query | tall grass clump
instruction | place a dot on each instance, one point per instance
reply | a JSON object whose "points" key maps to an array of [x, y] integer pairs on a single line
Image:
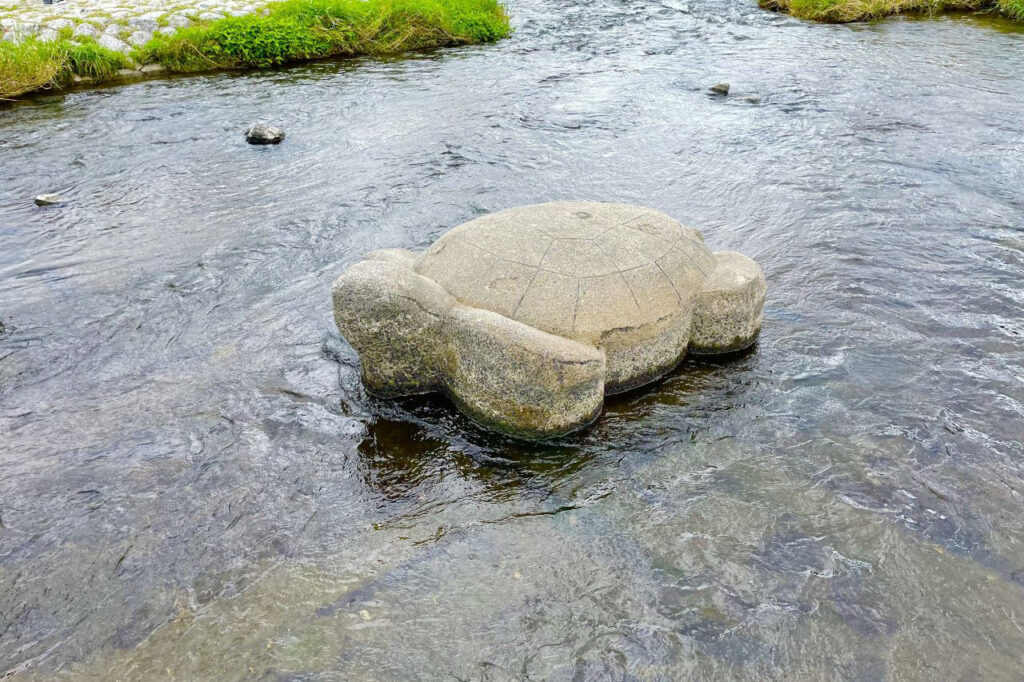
{"points": [[28, 66], [300, 30], [843, 11], [36, 65], [90, 60]]}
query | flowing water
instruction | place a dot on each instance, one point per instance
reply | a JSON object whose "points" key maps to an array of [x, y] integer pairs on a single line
{"points": [[194, 486]]}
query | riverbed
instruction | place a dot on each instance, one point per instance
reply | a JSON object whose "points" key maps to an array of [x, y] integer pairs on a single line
{"points": [[194, 485]]}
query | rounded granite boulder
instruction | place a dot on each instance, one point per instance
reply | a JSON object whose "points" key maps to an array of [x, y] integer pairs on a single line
{"points": [[528, 317]]}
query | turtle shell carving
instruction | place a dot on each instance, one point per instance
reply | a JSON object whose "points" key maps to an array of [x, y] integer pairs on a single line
{"points": [[528, 317], [578, 270]]}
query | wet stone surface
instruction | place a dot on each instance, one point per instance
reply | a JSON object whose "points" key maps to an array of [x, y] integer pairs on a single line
{"points": [[194, 484]]}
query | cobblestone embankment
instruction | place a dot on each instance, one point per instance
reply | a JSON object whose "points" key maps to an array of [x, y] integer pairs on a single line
{"points": [[117, 25]]}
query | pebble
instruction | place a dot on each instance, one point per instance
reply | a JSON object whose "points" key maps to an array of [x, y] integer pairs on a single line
{"points": [[720, 88]]}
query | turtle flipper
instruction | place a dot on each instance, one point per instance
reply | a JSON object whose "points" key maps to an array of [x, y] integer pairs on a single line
{"points": [[730, 307], [518, 379], [393, 318]]}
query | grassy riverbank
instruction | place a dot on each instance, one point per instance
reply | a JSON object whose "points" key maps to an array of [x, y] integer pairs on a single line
{"points": [[288, 31], [843, 11]]}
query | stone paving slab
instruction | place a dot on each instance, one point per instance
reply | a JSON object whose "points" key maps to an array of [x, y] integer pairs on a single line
{"points": [[115, 24]]}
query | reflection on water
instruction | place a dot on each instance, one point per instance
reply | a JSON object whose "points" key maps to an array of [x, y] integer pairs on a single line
{"points": [[195, 485]]}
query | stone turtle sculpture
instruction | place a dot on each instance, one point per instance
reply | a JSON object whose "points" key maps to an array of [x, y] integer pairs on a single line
{"points": [[528, 317]]}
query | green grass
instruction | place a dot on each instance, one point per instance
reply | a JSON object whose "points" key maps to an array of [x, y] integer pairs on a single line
{"points": [[299, 30], [1012, 8], [843, 11], [292, 31]]}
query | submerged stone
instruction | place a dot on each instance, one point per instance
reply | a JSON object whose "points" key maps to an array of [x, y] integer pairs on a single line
{"points": [[528, 317]]}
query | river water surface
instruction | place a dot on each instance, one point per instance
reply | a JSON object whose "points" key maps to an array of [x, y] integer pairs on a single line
{"points": [[194, 486]]}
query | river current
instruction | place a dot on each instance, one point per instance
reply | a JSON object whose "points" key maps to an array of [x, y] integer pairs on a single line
{"points": [[194, 485]]}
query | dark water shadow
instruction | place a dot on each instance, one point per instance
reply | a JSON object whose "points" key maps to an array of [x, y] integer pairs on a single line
{"points": [[411, 440]]}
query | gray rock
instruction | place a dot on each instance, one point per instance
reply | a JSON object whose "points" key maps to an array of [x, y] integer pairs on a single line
{"points": [[720, 88], [140, 38], [49, 199], [178, 21], [210, 16], [58, 24], [152, 68], [261, 133], [753, 99], [87, 30], [143, 24], [113, 43], [21, 32], [527, 318]]}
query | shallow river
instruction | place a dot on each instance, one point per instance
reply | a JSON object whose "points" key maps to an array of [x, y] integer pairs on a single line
{"points": [[193, 484]]}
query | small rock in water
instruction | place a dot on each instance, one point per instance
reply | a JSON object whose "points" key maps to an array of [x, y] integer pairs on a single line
{"points": [[261, 133], [753, 99], [720, 88], [49, 199]]}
